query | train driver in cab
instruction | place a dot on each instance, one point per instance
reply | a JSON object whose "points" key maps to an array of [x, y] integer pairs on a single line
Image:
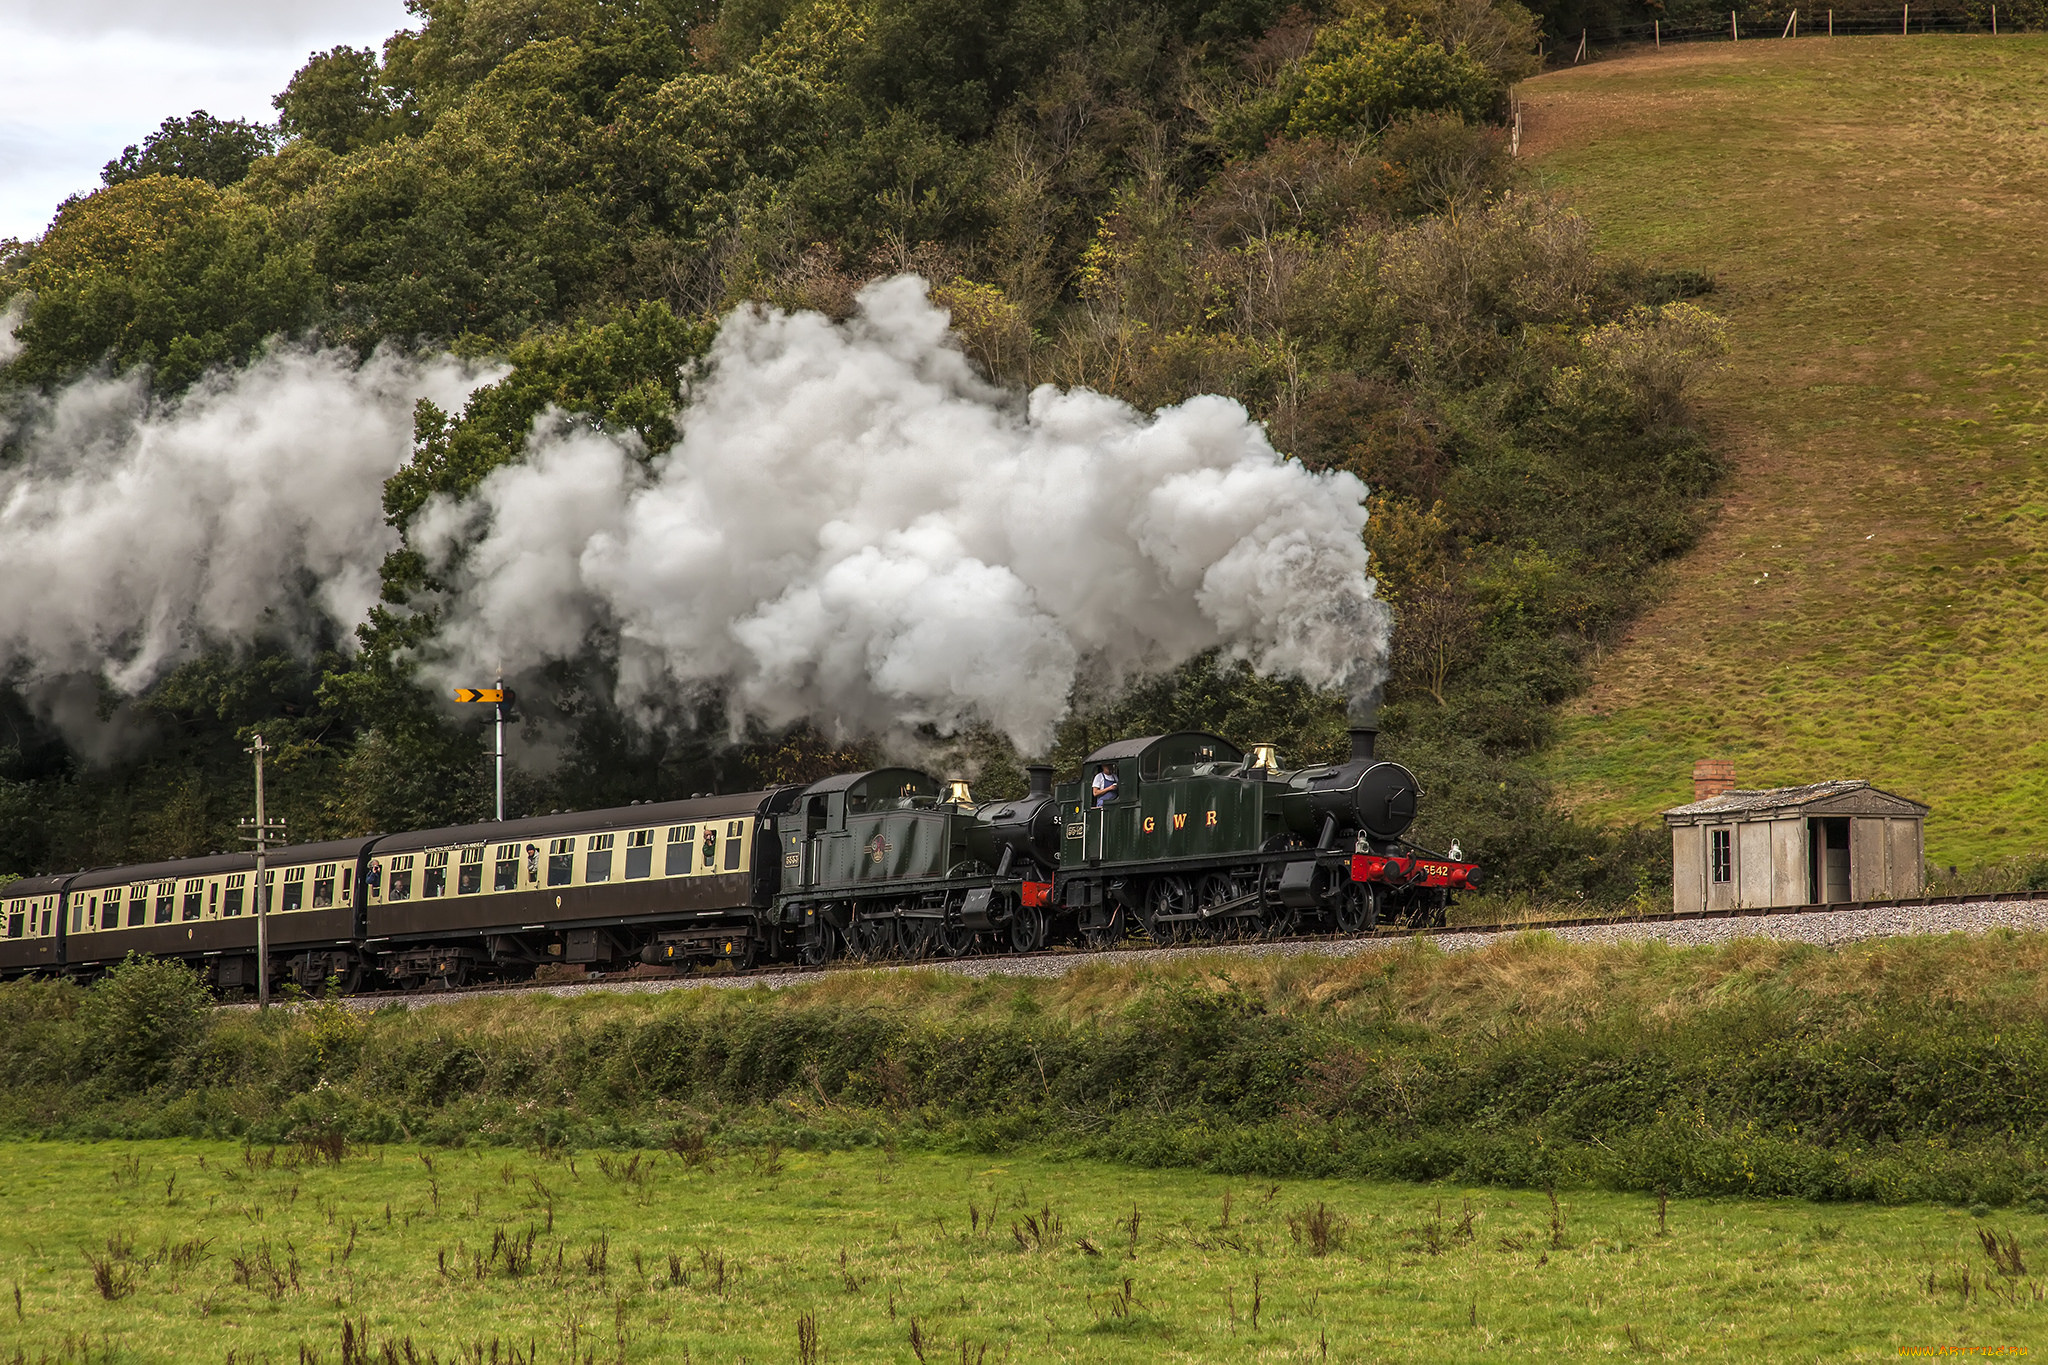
{"points": [[1104, 786]]}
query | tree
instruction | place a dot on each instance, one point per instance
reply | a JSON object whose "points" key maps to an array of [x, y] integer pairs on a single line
{"points": [[337, 100], [201, 147]]}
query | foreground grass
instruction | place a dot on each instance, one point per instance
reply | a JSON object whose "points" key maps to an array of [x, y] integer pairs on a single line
{"points": [[218, 1253], [1871, 603]]}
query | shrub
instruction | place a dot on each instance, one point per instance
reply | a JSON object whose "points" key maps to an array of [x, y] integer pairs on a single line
{"points": [[142, 1019]]}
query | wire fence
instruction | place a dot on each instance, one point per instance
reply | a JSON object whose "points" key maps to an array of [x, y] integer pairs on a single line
{"points": [[1773, 24]]}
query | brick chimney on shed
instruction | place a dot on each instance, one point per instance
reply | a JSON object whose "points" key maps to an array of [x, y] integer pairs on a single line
{"points": [[1711, 777]]}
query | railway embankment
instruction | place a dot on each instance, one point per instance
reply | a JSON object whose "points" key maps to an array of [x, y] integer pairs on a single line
{"points": [[1899, 1068]]}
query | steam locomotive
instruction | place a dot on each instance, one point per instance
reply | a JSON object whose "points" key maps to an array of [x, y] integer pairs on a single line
{"points": [[1187, 837]]}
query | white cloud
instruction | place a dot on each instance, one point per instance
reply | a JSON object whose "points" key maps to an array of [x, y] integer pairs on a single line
{"points": [[78, 82]]}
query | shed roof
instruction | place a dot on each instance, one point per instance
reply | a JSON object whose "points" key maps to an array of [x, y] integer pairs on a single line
{"points": [[1852, 796]]}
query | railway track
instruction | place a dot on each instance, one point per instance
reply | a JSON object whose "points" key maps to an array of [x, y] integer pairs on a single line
{"points": [[1810, 923]]}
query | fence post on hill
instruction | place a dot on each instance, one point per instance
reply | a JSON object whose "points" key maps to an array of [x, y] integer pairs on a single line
{"points": [[1906, 21], [1657, 31], [1580, 55], [1994, 21], [1790, 24], [1515, 137], [1831, 23], [1734, 29]]}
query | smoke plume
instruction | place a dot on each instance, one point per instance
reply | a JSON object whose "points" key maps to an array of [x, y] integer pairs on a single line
{"points": [[133, 533], [856, 530]]}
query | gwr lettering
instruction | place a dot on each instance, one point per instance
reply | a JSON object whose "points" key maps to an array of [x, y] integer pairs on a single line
{"points": [[1180, 821]]}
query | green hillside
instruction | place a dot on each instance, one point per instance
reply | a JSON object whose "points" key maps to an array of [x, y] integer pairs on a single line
{"points": [[1870, 601]]}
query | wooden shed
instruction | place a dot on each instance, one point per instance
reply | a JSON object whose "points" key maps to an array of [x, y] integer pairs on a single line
{"points": [[1816, 845]]}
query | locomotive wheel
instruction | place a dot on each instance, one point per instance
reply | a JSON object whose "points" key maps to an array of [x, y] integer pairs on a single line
{"points": [[875, 938], [955, 940], [1107, 935], [1281, 921], [1357, 910], [1214, 889], [1167, 896], [819, 951], [1027, 929], [920, 938]]}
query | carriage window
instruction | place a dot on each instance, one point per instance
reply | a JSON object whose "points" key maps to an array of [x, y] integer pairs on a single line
{"points": [[471, 879], [733, 844], [597, 863], [434, 877], [195, 900], [639, 854], [561, 861], [506, 875], [682, 844], [323, 886], [400, 888], [14, 920], [710, 859], [138, 906], [232, 905], [77, 915], [294, 897], [166, 901], [348, 876], [48, 911]]}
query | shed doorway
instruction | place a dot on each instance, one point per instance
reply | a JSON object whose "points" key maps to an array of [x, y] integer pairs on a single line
{"points": [[1827, 860]]}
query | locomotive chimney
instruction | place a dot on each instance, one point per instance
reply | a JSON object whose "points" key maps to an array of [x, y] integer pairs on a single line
{"points": [[1711, 777], [1041, 778], [1365, 726]]}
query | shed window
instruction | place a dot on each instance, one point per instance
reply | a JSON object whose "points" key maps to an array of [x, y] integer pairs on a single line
{"points": [[1722, 854], [682, 845], [470, 880], [597, 863], [561, 861], [505, 876], [639, 854]]}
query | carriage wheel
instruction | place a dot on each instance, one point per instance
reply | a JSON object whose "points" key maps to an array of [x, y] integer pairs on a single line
{"points": [[1167, 896]]}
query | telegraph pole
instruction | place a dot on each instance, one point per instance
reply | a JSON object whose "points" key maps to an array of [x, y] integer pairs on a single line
{"points": [[260, 831]]}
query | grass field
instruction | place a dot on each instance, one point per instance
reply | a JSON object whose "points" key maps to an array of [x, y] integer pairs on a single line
{"points": [[1871, 603], [212, 1252]]}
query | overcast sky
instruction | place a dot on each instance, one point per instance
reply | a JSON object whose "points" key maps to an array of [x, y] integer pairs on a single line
{"points": [[81, 79]]}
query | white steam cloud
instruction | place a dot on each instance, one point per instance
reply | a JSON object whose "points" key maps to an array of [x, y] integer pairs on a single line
{"points": [[856, 530], [132, 533]]}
